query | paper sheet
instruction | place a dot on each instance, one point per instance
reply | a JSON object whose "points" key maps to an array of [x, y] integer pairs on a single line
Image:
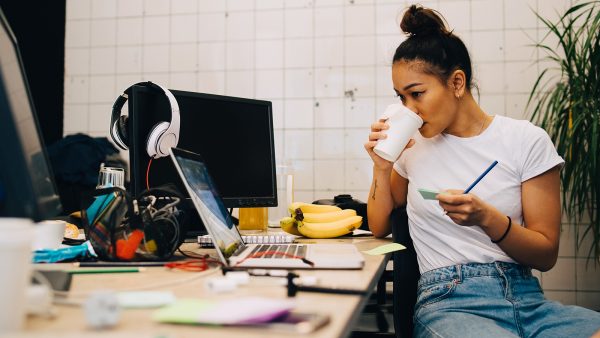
{"points": [[383, 249]]}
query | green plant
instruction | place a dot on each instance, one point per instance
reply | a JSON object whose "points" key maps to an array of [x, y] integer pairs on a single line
{"points": [[566, 103]]}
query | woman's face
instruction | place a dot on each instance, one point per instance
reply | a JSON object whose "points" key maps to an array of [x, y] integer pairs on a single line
{"points": [[426, 95]]}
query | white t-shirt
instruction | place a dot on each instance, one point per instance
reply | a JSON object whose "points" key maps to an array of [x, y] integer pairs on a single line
{"points": [[443, 162]]}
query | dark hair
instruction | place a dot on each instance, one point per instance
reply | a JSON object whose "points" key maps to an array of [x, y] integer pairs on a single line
{"points": [[429, 41]]}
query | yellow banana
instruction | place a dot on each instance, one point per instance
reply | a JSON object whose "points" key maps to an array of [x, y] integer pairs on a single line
{"points": [[288, 224], [311, 208], [324, 217], [330, 229]]}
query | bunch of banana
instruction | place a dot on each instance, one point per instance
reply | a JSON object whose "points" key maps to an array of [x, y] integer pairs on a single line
{"points": [[319, 221]]}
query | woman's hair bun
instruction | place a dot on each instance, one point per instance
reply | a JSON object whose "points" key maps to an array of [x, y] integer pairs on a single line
{"points": [[422, 21]]}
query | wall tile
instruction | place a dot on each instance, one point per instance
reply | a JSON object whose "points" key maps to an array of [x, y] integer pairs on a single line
{"points": [[299, 144], [278, 117], [156, 58], [129, 59], [329, 52], [240, 25], [184, 6], [457, 14], [354, 141], [329, 145], [211, 82], [383, 81], [99, 117], [490, 77], [78, 9], [520, 14], [76, 118], [590, 300], [567, 242], [77, 61], [487, 14], [564, 297], [77, 89], [211, 27], [184, 28], [269, 25], [359, 174], [329, 22], [269, 83], [520, 77], [103, 32], [130, 31], [102, 89], [298, 53], [298, 3], [519, 45], [156, 7], [387, 19], [492, 104], [359, 51], [386, 47], [561, 277], [211, 6], [211, 56], [183, 57], [269, 4], [298, 114], [77, 34], [552, 9], [360, 81], [240, 5], [360, 113], [183, 81], [240, 55], [329, 113], [329, 175], [102, 60], [240, 83], [487, 46], [359, 20], [588, 275], [329, 82], [515, 106], [104, 8], [298, 83], [269, 54], [298, 23]]}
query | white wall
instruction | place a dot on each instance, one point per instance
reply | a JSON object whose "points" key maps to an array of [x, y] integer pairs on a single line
{"points": [[325, 65]]}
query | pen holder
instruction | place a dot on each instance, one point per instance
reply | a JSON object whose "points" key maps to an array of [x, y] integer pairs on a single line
{"points": [[121, 228]]}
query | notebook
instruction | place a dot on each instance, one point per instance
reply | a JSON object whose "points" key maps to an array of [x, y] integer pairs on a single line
{"points": [[205, 241], [232, 251]]}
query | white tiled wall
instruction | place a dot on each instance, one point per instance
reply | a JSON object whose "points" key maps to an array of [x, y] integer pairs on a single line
{"points": [[325, 64]]}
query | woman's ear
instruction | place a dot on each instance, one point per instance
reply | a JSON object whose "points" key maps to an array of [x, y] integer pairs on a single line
{"points": [[457, 83]]}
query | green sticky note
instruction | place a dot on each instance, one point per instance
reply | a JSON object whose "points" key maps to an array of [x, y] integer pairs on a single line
{"points": [[428, 194], [184, 311], [383, 249]]}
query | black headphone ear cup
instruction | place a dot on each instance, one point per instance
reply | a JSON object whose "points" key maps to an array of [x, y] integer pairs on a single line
{"points": [[122, 129]]}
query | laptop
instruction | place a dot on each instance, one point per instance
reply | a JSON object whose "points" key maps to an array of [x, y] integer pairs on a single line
{"points": [[230, 247]]}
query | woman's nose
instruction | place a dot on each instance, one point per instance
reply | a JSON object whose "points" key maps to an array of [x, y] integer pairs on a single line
{"points": [[412, 107]]}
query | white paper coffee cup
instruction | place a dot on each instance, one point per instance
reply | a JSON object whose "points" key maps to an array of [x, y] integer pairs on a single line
{"points": [[15, 264], [403, 125], [48, 234]]}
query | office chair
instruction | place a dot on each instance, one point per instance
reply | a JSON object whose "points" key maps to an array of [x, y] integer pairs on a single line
{"points": [[405, 275]]}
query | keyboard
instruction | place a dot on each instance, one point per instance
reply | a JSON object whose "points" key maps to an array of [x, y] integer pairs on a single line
{"points": [[205, 241]]}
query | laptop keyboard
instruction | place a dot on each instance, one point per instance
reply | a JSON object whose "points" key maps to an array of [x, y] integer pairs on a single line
{"points": [[289, 251]]}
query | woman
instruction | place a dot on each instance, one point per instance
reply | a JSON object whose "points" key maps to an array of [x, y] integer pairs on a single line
{"points": [[475, 250]]}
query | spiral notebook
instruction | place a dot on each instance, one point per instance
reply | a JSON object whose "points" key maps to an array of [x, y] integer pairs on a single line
{"points": [[205, 241]]}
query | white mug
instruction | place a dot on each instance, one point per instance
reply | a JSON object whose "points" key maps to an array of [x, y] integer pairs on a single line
{"points": [[403, 123], [15, 264]]}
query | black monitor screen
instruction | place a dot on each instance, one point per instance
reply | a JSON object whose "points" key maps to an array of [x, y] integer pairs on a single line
{"points": [[26, 185], [233, 135]]}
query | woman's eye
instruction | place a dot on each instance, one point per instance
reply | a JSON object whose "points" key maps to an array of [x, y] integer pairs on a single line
{"points": [[416, 94], [401, 98]]}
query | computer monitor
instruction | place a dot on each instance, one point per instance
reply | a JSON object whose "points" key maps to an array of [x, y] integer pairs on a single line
{"points": [[27, 186], [234, 136]]}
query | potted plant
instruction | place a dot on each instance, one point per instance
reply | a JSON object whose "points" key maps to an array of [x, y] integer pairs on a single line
{"points": [[566, 103]]}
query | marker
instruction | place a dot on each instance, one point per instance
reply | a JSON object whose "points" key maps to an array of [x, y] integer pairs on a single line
{"points": [[480, 177]]}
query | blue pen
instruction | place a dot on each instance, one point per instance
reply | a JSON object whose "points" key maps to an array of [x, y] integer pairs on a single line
{"points": [[480, 177]]}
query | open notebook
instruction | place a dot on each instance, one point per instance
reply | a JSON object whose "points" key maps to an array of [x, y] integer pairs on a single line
{"points": [[231, 248]]}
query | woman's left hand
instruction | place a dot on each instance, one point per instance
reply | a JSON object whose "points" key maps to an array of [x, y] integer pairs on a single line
{"points": [[464, 209]]}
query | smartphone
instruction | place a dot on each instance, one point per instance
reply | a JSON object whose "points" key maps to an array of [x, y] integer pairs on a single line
{"points": [[294, 322]]}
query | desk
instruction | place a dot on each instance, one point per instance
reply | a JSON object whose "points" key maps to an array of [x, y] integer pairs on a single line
{"points": [[342, 309]]}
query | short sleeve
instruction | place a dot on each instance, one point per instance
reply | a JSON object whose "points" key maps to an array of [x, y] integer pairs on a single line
{"points": [[539, 154], [400, 167]]}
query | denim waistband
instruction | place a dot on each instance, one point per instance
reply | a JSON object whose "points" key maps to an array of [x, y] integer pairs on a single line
{"points": [[461, 271]]}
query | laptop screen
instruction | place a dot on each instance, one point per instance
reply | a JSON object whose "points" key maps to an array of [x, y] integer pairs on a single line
{"points": [[207, 201]]}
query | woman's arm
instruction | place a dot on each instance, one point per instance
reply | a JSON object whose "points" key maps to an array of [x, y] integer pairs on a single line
{"points": [[536, 244], [388, 191]]}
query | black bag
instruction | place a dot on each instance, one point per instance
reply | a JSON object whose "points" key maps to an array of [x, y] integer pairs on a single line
{"points": [[346, 201]]}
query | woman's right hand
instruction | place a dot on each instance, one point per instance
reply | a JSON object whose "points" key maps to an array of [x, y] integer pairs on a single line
{"points": [[377, 133]]}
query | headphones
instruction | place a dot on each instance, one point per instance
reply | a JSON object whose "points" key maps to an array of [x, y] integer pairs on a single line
{"points": [[161, 137]]}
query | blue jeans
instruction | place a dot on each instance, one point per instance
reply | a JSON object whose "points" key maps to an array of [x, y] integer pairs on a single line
{"points": [[494, 300]]}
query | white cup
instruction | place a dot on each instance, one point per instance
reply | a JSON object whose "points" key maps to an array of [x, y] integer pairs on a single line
{"points": [[403, 125], [48, 234], [15, 264]]}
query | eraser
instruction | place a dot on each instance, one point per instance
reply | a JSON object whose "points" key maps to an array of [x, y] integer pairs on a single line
{"points": [[428, 194], [221, 284]]}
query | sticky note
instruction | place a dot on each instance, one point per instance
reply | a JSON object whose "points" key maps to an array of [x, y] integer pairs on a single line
{"points": [[386, 248], [428, 194]]}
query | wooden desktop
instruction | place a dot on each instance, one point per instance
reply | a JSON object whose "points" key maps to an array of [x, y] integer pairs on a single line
{"points": [[343, 310]]}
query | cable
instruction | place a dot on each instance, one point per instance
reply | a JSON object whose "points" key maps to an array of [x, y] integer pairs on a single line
{"points": [[148, 174]]}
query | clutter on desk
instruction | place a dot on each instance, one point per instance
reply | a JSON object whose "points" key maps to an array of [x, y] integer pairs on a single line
{"points": [[82, 252], [123, 228], [233, 311], [320, 221]]}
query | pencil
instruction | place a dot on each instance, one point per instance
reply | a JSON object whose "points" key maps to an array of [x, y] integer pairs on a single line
{"points": [[480, 177]]}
